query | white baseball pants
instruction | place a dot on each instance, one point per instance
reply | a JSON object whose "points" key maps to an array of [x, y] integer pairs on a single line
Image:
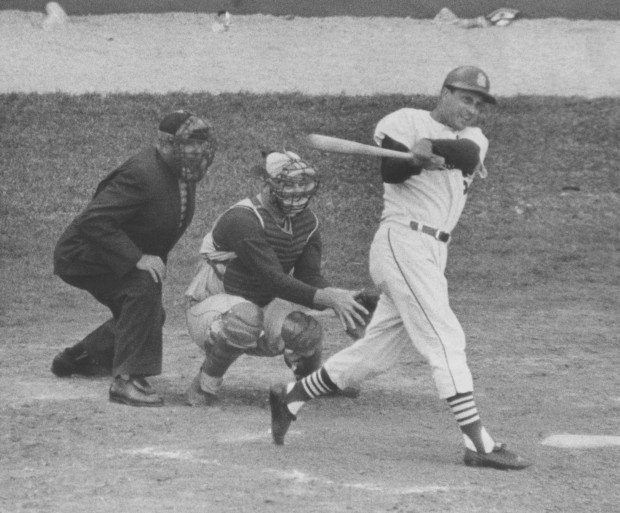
{"points": [[408, 268]]}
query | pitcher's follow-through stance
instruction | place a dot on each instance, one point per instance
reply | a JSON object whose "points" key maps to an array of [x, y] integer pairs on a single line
{"points": [[423, 200]]}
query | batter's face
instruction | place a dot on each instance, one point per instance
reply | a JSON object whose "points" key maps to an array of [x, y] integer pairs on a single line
{"points": [[458, 108]]}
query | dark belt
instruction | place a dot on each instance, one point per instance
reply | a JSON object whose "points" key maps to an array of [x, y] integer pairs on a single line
{"points": [[437, 234]]}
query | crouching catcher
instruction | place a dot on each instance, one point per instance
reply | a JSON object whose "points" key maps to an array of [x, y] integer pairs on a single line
{"points": [[260, 278]]}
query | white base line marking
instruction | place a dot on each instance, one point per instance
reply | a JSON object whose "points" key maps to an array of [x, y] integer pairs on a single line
{"points": [[292, 475], [567, 441]]}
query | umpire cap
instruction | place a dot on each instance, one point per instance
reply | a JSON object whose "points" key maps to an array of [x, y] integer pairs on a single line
{"points": [[470, 78], [185, 124]]}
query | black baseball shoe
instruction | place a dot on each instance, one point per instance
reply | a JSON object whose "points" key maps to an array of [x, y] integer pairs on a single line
{"points": [[65, 364], [500, 458], [134, 392], [281, 417]]}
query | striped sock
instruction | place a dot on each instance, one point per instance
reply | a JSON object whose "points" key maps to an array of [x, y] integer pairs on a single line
{"points": [[466, 414], [313, 385]]}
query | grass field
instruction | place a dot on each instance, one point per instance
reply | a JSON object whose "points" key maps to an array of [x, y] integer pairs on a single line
{"points": [[546, 216], [534, 279]]}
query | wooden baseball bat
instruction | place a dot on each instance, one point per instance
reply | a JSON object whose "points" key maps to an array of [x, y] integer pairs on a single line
{"points": [[338, 145]]}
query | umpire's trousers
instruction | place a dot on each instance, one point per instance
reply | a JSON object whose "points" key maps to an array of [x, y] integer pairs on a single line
{"points": [[131, 341]]}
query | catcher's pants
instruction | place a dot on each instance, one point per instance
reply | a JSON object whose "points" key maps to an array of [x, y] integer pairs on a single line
{"points": [[131, 341], [408, 268], [201, 315]]}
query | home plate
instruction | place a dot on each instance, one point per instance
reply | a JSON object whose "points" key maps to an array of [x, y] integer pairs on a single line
{"points": [[581, 441]]}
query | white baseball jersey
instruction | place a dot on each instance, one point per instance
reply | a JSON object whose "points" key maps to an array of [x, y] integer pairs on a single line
{"points": [[434, 198], [408, 267]]}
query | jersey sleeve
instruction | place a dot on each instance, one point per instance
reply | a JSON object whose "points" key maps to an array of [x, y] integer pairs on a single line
{"points": [[398, 126]]}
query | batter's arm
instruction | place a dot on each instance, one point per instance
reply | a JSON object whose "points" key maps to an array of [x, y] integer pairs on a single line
{"points": [[463, 154], [397, 170]]}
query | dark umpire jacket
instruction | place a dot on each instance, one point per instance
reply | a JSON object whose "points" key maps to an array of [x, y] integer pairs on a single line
{"points": [[135, 210]]}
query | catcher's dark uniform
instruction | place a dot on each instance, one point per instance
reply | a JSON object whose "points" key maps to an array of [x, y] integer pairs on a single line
{"points": [[140, 208]]}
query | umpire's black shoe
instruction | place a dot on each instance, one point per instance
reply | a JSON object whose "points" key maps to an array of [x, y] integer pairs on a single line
{"points": [[500, 458], [134, 392], [65, 364], [281, 417]]}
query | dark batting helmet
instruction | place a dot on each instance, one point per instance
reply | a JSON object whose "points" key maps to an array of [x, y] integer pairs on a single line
{"points": [[470, 78]]}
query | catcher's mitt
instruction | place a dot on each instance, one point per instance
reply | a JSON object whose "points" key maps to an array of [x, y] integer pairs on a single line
{"points": [[368, 299]]}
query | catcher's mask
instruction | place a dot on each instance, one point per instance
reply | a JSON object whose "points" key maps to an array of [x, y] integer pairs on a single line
{"points": [[292, 182], [190, 142]]}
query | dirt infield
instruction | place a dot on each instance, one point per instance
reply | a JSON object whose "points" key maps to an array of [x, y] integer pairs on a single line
{"points": [[544, 356], [395, 448]]}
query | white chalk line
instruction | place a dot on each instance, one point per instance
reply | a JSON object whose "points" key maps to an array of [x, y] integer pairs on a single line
{"points": [[253, 437], [291, 475], [568, 441]]}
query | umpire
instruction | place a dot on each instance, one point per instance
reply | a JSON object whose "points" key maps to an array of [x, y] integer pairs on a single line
{"points": [[117, 249]]}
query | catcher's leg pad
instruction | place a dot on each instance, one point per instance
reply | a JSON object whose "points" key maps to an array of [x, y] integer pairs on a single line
{"points": [[234, 333], [302, 334], [303, 343], [239, 327]]}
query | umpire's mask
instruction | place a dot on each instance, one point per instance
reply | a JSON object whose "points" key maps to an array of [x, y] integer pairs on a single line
{"points": [[189, 143]]}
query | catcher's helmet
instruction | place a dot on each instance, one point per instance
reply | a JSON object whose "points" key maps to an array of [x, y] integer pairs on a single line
{"points": [[191, 143], [292, 182], [470, 78]]}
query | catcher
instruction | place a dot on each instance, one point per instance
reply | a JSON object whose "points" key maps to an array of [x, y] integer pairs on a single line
{"points": [[260, 275]]}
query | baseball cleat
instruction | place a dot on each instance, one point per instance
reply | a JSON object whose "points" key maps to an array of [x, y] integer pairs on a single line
{"points": [[281, 417], [500, 458]]}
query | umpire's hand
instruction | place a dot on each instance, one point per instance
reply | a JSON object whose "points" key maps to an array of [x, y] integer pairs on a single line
{"points": [[154, 266]]}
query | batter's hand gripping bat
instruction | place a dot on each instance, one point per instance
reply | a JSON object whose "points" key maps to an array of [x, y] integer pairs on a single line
{"points": [[338, 145]]}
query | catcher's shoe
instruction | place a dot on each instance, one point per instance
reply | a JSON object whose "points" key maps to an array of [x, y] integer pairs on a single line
{"points": [[500, 458], [281, 417], [196, 396]]}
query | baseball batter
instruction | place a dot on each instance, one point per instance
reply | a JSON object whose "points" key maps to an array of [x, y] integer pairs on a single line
{"points": [[423, 200]]}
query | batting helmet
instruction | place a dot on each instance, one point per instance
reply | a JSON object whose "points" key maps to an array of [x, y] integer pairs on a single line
{"points": [[470, 78]]}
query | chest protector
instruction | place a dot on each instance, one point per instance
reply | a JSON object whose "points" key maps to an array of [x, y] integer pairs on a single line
{"points": [[288, 245]]}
